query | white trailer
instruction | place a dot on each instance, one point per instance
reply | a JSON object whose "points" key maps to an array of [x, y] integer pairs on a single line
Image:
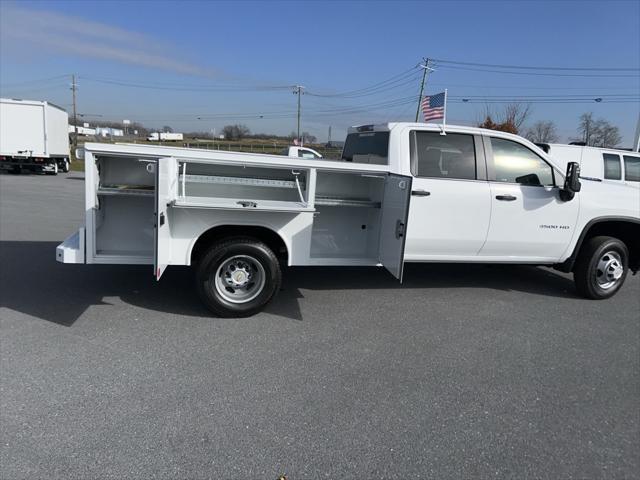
{"points": [[34, 136], [402, 192], [165, 136]]}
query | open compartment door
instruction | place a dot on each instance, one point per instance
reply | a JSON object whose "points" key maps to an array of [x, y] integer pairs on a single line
{"points": [[166, 190], [393, 226]]}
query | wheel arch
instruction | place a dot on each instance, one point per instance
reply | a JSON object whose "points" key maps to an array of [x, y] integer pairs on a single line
{"points": [[265, 234], [627, 229]]}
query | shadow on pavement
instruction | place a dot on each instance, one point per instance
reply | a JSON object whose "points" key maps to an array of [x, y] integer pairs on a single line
{"points": [[34, 283]]}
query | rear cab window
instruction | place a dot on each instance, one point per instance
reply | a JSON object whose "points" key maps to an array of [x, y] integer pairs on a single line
{"points": [[367, 147], [451, 156]]}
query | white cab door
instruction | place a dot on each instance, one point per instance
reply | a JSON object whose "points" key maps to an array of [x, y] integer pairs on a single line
{"points": [[528, 219], [450, 202], [166, 188], [393, 225]]}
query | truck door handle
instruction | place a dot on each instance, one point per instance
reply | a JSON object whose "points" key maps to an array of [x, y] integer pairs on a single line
{"points": [[505, 198], [420, 193]]}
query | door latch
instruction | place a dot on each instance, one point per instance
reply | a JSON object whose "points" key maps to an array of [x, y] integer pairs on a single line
{"points": [[161, 218], [399, 229]]}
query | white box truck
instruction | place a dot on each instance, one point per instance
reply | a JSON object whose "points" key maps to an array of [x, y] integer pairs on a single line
{"points": [[403, 192], [34, 136]]}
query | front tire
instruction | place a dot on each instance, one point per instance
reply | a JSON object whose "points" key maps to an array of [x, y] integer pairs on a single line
{"points": [[601, 267], [237, 277]]}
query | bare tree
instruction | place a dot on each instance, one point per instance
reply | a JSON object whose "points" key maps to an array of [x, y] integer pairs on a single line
{"points": [[542, 132], [605, 134], [516, 114], [308, 138], [235, 132], [597, 133], [586, 127], [167, 129], [510, 119]]}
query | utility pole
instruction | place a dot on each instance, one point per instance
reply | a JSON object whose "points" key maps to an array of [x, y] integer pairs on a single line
{"points": [[74, 86], [298, 90], [426, 69], [329, 137], [636, 137]]}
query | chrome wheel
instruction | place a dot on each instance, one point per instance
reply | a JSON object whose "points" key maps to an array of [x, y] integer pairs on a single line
{"points": [[609, 270], [240, 279]]}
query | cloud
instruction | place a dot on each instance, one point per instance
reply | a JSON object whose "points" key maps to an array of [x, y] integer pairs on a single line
{"points": [[69, 35]]}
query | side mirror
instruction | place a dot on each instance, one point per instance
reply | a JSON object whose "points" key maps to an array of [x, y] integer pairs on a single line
{"points": [[572, 183]]}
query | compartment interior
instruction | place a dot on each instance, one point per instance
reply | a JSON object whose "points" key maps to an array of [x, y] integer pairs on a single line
{"points": [[125, 219], [347, 205], [236, 186], [125, 226], [347, 223], [124, 175]]}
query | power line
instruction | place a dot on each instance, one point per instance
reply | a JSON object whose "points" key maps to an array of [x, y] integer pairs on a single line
{"points": [[39, 80], [531, 67], [194, 88], [540, 74], [403, 76]]}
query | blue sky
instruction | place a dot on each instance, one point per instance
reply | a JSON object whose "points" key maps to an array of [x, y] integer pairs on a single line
{"points": [[201, 65]]}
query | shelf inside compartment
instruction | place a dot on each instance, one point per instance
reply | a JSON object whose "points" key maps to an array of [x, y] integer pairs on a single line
{"points": [[221, 186], [131, 190], [326, 201], [241, 204], [243, 181]]}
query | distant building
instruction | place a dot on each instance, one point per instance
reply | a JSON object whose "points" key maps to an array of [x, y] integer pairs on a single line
{"points": [[84, 131], [109, 132]]}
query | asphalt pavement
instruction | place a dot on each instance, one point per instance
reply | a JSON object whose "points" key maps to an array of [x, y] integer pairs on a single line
{"points": [[462, 372]]}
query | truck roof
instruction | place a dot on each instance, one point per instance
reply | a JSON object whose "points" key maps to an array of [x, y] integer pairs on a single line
{"points": [[31, 102], [608, 149], [382, 127]]}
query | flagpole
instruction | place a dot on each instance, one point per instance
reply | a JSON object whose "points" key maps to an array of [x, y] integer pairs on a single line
{"points": [[444, 116]]}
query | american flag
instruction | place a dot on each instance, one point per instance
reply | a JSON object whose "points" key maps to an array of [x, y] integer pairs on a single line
{"points": [[433, 106]]}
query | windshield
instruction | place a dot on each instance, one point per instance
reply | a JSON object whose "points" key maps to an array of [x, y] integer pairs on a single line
{"points": [[366, 147]]}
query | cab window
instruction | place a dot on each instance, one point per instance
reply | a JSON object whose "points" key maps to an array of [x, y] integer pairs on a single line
{"points": [[612, 168], [306, 154], [631, 168], [443, 156], [515, 163]]}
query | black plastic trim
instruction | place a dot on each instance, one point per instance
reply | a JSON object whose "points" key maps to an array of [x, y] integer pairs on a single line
{"points": [[567, 265]]}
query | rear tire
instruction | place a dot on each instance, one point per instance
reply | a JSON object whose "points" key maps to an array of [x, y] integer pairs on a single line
{"points": [[55, 169], [601, 267], [65, 166], [237, 277]]}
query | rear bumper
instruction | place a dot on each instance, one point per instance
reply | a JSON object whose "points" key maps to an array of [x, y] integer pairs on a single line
{"points": [[72, 249], [44, 166]]}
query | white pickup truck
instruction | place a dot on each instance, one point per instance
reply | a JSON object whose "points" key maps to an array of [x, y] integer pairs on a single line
{"points": [[403, 192], [301, 152]]}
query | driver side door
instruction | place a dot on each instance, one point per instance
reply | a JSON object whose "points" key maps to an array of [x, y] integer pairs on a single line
{"points": [[529, 221]]}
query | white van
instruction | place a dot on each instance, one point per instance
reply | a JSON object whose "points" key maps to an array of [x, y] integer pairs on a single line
{"points": [[603, 164]]}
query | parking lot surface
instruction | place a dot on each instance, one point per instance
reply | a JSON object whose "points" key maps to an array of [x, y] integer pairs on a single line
{"points": [[463, 371]]}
